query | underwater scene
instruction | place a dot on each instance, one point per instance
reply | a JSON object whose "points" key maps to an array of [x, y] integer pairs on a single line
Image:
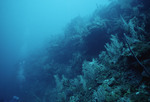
{"points": [[75, 51]]}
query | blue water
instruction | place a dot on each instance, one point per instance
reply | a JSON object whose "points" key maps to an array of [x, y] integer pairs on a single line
{"points": [[28, 33], [25, 26]]}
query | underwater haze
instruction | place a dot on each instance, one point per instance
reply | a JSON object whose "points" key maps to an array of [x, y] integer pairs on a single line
{"points": [[74, 51], [25, 26]]}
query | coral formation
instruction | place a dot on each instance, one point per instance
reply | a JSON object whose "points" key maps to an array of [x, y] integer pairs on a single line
{"points": [[92, 62]]}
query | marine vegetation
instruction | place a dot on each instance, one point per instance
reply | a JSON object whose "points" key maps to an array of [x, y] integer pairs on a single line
{"points": [[101, 58]]}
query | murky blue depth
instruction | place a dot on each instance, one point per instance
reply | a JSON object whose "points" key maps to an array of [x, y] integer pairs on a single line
{"points": [[59, 50]]}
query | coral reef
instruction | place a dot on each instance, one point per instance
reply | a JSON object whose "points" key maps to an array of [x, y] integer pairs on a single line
{"points": [[92, 62]]}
